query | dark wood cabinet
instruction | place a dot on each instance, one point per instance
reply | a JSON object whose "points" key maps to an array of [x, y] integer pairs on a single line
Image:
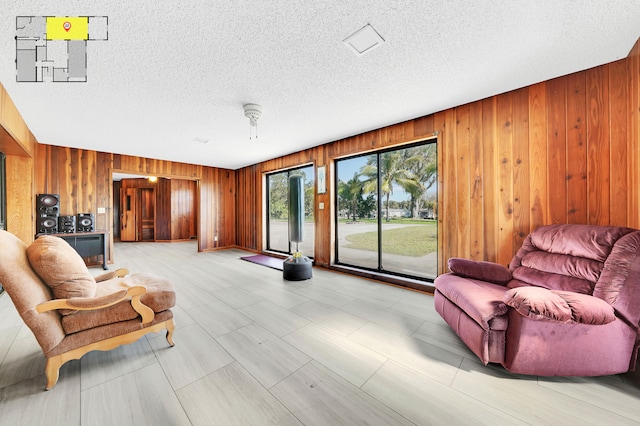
{"points": [[87, 244]]}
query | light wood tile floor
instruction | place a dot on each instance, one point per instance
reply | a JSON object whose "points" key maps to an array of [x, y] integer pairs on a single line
{"points": [[253, 349]]}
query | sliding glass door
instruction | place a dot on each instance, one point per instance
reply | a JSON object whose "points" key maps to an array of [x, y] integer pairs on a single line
{"points": [[386, 215], [278, 215]]}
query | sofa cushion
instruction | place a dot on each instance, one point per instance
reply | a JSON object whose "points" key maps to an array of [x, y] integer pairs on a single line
{"points": [[567, 265], [160, 296], [538, 303], [479, 270], [586, 241], [534, 277], [61, 268]]}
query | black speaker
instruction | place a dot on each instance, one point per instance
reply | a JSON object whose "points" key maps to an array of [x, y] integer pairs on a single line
{"points": [[47, 224], [85, 222], [296, 209], [48, 204], [67, 224]]}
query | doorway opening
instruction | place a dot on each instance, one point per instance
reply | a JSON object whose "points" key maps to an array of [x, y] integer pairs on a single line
{"points": [[154, 210]]}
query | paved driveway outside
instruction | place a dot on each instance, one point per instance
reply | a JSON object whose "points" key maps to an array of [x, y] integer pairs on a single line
{"points": [[423, 266]]}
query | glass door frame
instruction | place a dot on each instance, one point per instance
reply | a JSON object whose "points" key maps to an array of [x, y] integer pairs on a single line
{"points": [[379, 207]]}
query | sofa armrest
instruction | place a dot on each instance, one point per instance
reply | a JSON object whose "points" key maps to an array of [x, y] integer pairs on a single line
{"points": [[95, 303], [560, 306], [479, 270], [118, 273]]}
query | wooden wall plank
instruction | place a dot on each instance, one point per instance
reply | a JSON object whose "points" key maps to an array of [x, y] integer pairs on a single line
{"points": [[476, 173], [576, 148], [538, 155], [20, 197], [104, 194], [461, 167], [598, 146], [449, 204], [618, 137], [633, 163], [504, 114], [557, 149], [439, 124], [490, 177], [521, 167]]}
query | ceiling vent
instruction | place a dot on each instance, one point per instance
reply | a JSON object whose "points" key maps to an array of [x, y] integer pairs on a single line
{"points": [[363, 40]]}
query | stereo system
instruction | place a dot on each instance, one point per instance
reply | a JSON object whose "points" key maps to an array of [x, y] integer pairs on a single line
{"points": [[49, 220], [47, 211], [47, 224], [66, 224], [48, 204], [85, 222]]}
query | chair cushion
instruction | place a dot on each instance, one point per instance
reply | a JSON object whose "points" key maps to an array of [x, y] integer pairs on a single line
{"points": [[160, 296], [61, 268]]}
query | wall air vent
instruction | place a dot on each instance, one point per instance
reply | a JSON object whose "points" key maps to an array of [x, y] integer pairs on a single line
{"points": [[363, 40]]}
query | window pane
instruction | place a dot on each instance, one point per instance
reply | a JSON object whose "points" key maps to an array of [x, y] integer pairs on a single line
{"points": [[278, 230], [396, 215], [357, 229], [278, 202], [308, 244], [409, 238]]}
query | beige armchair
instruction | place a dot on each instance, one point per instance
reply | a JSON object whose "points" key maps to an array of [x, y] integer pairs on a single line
{"points": [[69, 311]]}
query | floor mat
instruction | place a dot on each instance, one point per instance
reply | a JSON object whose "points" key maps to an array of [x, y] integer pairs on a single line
{"points": [[261, 259]]}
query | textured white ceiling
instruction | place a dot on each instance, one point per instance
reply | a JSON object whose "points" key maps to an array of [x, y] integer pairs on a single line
{"points": [[174, 71]]}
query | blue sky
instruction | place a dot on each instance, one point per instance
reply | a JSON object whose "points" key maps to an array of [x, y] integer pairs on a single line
{"points": [[346, 169]]}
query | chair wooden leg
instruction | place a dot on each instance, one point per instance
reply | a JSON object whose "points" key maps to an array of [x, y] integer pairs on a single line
{"points": [[51, 371], [170, 327]]}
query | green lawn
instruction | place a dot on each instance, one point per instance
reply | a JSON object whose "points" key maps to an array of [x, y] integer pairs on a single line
{"points": [[412, 241], [394, 220]]}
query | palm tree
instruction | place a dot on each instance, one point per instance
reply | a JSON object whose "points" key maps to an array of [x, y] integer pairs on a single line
{"points": [[422, 163], [351, 193], [393, 171]]}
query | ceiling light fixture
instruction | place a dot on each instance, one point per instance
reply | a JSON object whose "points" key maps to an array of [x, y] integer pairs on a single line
{"points": [[252, 112], [363, 40]]}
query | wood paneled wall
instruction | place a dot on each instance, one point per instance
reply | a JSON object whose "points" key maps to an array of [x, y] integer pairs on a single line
{"points": [[634, 136], [164, 222], [562, 151], [83, 180], [20, 197], [554, 152], [17, 142], [183, 209], [217, 209], [15, 136], [248, 208]]}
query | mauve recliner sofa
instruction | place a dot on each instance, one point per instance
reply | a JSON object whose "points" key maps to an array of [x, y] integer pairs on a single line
{"points": [[567, 305]]}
